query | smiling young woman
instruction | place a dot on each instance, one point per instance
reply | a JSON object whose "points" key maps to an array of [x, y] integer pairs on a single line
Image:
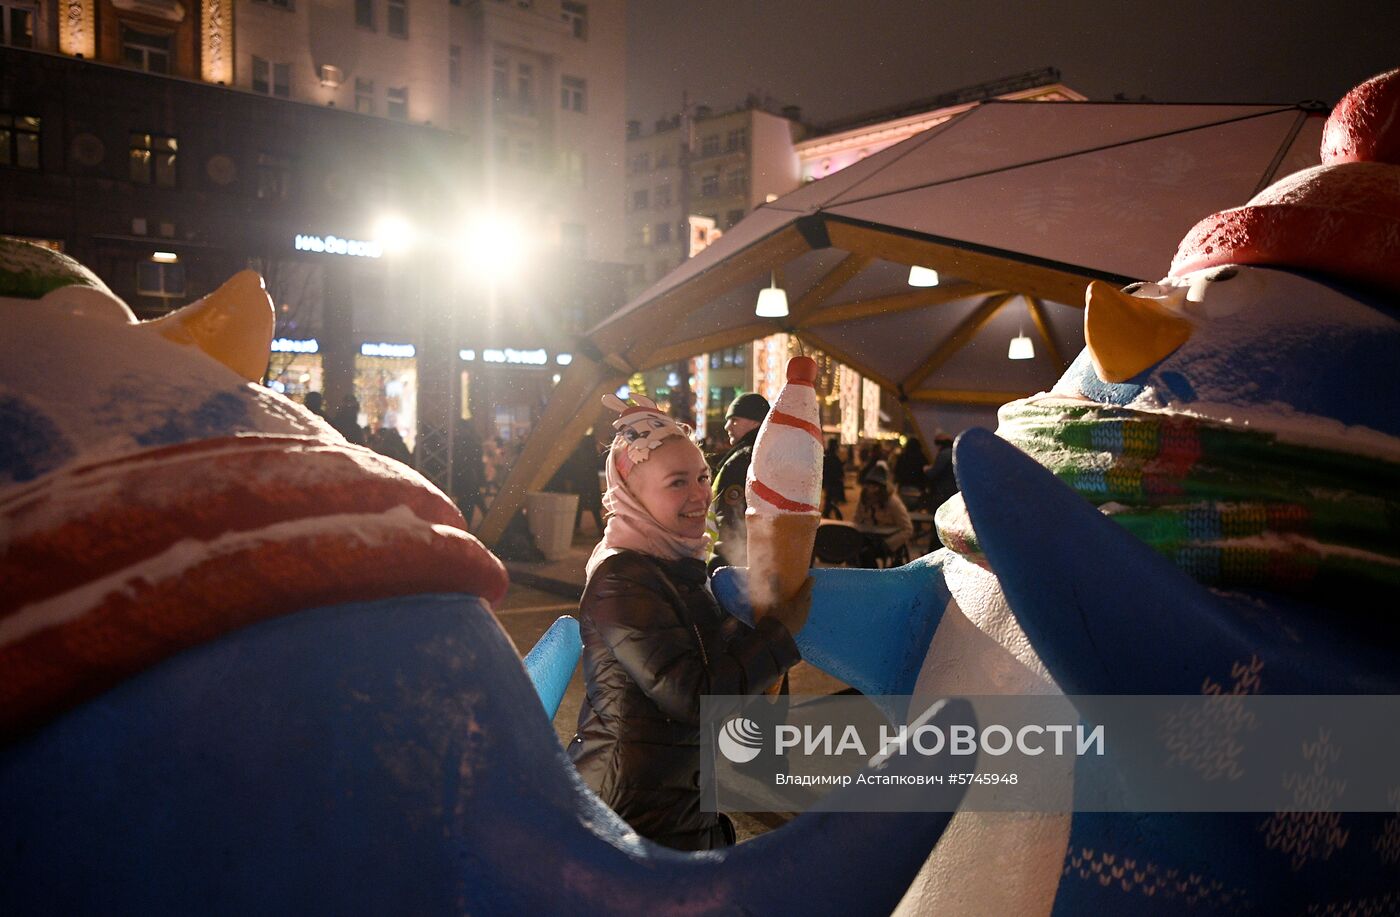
{"points": [[655, 640]]}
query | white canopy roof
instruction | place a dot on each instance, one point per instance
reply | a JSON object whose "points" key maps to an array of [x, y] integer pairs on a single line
{"points": [[1016, 204]]}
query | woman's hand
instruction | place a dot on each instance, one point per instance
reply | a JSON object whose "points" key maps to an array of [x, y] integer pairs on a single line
{"points": [[793, 612]]}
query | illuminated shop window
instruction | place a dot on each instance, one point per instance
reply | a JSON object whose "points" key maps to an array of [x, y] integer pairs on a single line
{"points": [[153, 159], [19, 141]]}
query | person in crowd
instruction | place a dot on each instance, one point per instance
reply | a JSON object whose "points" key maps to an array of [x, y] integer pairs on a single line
{"points": [[467, 474], [870, 454], [728, 501], [879, 505], [579, 475], [347, 420], [833, 481], [909, 466], [388, 441], [655, 640], [315, 403]]}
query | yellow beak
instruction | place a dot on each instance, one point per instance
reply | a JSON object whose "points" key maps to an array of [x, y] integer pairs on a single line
{"points": [[233, 325], [1127, 334]]}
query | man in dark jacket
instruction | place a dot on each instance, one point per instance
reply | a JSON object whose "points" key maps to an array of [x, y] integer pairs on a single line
{"points": [[741, 422]]}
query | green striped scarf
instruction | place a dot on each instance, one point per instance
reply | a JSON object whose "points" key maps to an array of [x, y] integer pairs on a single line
{"points": [[1234, 508]]}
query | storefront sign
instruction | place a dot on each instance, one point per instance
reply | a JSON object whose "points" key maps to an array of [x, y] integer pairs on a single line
{"points": [[334, 245], [291, 345], [522, 357], [401, 351]]}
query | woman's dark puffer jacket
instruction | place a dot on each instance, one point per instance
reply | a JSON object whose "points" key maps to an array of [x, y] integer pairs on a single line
{"points": [[646, 662]]}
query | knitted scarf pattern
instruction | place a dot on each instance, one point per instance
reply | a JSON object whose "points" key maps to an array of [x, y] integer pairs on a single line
{"points": [[1232, 507]]}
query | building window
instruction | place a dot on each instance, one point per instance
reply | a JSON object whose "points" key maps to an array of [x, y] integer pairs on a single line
{"points": [[525, 86], [364, 14], [575, 16], [646, 234], [398, 18], [734, 216], [272, 79], [19, 141], [155, 278], [641, 199], [153, 159], [663, 233], [572, 90], [737, 182], [454, 64], [663, 159], [573, 240], [396, 102], [737, 139], [364, 96], [280, 4], [639, 163], [500, 78], [574, 172], [17, 27], [709, 146], [274, 177], [149, 51], [663, 195], [709, 185]]}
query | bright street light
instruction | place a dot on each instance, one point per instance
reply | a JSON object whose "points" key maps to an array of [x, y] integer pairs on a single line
{"points": [[493, 245], [393, 233]]}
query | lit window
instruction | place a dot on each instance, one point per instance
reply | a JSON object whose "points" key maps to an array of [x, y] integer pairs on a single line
{"points": [[396, 102], [153, 159], [574, 173], [364, 14], [572, 91], [645, 237], [19, 141], [454, 64], [17, 25], [364, 96], [149, 51], [398, 18], [575, 16]]}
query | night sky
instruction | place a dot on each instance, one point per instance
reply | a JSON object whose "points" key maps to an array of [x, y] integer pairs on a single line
{"points": [[838, 58]]}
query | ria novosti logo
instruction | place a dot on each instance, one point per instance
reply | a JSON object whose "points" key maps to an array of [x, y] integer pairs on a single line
{"points": [[740, 740]]}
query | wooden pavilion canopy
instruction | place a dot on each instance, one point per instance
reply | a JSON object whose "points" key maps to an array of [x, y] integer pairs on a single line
{"points": [[1017, 205]]}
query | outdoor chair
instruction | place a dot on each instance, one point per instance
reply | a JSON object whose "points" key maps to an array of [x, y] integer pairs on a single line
{"points": [[838, 544]]}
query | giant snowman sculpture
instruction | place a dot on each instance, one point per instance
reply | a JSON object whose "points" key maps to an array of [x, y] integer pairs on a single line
{"points": [[1208, 501], [248, 667]]}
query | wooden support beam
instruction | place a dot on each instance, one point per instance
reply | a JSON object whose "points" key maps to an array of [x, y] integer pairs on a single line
{"points": [[894, 303], [1037, 310], [965, 331], [828, 286], [731, 337], [636, 338], [573, 407], [989, 270], [965, 397]]}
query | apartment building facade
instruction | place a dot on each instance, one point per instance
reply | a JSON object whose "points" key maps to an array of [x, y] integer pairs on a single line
{"points": [[169, 144]]}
